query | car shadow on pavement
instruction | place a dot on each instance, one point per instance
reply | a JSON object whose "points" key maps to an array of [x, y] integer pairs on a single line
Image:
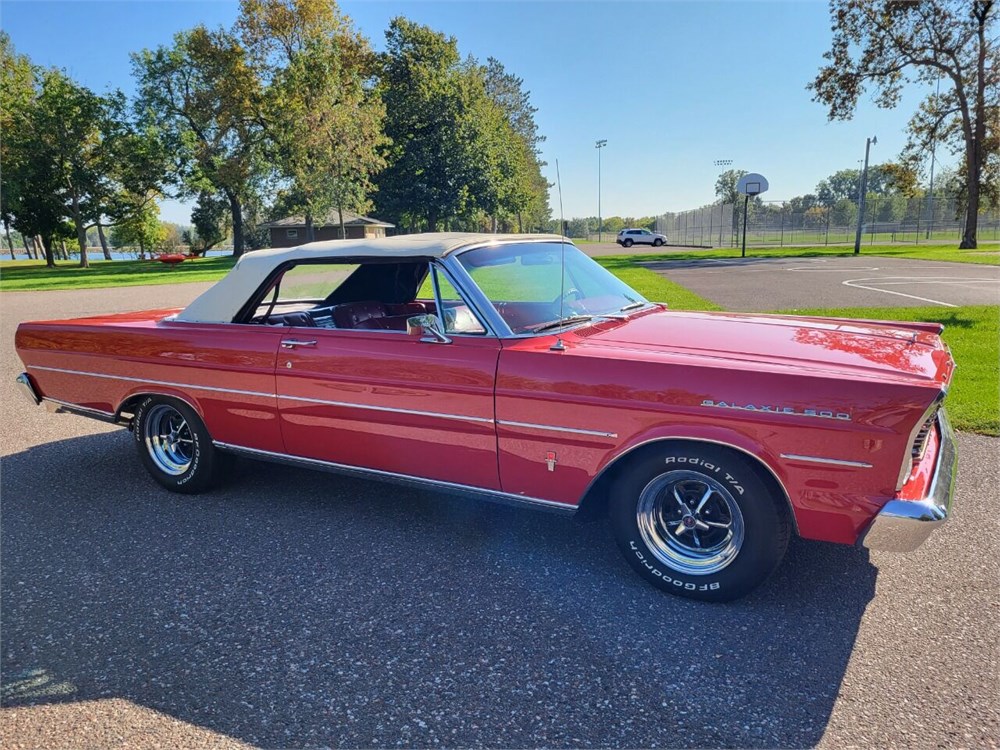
{"points": [[294, 608]]}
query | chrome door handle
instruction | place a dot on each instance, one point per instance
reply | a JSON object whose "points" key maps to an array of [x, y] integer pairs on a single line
{"points": [[292, 343]]}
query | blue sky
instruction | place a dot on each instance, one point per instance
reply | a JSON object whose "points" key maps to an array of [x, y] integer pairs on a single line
{"points": [[672, 86]]}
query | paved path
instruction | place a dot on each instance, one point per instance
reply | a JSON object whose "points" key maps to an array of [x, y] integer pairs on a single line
{"points": [[293, 609], [760, 284]]}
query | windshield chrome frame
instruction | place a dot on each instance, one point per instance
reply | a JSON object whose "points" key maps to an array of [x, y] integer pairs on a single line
{"points": [[467, 287]]}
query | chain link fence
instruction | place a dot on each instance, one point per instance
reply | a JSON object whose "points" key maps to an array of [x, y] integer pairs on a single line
{"points": [[887, 219]]}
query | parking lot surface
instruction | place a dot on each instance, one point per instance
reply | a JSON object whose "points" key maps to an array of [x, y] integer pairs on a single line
{"points": [[760, 284], [299, 609]]}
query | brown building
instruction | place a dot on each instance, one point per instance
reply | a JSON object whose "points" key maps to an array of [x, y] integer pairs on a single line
{"points": [[291, 231]]}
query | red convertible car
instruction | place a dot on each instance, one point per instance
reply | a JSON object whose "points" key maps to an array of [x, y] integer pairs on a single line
{"points": [[515, 368]]}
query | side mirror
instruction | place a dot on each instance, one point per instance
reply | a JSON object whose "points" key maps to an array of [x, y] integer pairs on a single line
{"points": [[427, 328]]}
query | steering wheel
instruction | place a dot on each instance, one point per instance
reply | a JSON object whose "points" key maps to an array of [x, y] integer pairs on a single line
{"points": [[571, 295]]}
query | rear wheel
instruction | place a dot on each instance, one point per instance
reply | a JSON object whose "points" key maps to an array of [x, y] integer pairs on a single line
{"points": [[175, 446], [627, 243], [697, 521]]}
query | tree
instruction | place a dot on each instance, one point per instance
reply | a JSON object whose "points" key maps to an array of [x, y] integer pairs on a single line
{"points": [[614, 224], [425, 176], [208, 217], [884, 45], [17, 92], [578, 228], [725, 186], [529, 196], [323, 121], [72, 127], [204, 97], [142, 229]]}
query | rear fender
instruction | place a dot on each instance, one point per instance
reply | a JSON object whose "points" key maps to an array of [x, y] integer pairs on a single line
{"points": [[128, 404]]}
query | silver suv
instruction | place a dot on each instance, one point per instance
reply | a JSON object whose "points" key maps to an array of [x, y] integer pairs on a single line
{"points": [[629, 237]]}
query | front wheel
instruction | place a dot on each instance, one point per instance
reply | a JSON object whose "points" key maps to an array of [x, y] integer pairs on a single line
{"points": [[657, 242], [698, 522], [175, 446]]}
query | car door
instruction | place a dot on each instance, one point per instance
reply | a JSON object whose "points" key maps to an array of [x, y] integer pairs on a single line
{"points": [[392, 402]]}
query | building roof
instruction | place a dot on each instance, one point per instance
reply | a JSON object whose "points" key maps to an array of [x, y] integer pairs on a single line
{"points": [[223, 300], [332, 219]]}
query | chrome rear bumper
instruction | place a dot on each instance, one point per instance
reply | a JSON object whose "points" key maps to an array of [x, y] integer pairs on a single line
{"points": [[24, 386], [903, 525]]}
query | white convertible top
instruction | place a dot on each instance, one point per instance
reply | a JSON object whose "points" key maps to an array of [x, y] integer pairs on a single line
{"points": [[221, 303]]}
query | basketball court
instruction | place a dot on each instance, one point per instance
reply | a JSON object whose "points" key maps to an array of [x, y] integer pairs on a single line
{"points": [[760, 284]]}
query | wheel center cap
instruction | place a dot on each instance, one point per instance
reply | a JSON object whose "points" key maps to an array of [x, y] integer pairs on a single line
{"points": [[688, 522]]}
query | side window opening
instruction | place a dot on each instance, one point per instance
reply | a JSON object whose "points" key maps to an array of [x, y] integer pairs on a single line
{"points": [[363, 296]]}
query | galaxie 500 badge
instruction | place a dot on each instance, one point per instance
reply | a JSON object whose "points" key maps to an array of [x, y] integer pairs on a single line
{"points": [[768, 409]]}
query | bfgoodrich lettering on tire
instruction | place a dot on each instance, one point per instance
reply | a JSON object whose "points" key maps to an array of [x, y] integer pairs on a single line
{"points": [[698, 521], [174, 445]]}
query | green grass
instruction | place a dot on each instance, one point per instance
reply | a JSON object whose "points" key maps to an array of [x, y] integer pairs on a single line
{"points": [[31, 275], [973, 333], [986, 255]]}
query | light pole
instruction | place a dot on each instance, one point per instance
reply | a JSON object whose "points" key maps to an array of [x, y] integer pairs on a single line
{"points": [[600, 222], [862, 189]]}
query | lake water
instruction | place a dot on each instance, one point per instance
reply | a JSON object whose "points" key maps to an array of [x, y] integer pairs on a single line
{"points": [[97, 254]]}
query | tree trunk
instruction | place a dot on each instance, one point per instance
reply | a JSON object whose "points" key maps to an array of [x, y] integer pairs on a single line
{"points": [[104, 241], [50, 259], [236, 209], [81, 238], [64, 253], [142, 250], [343, 228], [975, 150], [520, 225], [310, 230], [10, 243], [29, 249]]}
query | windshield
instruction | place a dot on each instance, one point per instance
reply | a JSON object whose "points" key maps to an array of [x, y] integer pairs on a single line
{"points": [[524, 284]]}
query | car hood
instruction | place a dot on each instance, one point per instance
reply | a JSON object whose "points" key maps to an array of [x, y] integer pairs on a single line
{"points": [[880, 349]]}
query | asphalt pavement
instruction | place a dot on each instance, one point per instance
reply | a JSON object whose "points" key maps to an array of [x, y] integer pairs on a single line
{"points": [[298, 609], [762, 284]]}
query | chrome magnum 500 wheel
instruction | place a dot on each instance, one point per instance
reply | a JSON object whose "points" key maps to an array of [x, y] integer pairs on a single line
{"points": [[174, 445], [698, 521]]}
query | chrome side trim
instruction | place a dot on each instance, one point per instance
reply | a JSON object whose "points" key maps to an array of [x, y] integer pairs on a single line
{"points": [[26, 388], [682, 438], [315, 463], [371, 407], [214, 389], [821, 460], [553, 428], [56, 406], [903, 525], [153, 382]]}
